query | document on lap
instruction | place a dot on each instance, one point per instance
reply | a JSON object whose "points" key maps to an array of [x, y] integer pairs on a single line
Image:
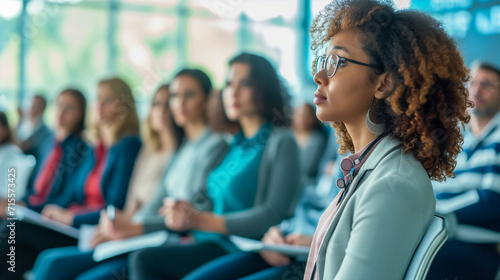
{"points": [[27, 215], [114, 248], [251, 245]]}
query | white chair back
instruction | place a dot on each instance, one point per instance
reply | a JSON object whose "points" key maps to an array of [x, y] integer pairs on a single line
{"points": [[431, 242]]}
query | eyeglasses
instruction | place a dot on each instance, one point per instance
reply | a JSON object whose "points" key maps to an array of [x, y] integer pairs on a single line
{"points": [[331, 62]]}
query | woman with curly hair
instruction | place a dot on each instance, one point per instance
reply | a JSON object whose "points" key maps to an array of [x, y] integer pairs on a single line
{"points": [[392, 84]]}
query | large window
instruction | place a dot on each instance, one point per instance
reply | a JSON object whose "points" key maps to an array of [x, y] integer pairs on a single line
{"points": [[77, 42]]}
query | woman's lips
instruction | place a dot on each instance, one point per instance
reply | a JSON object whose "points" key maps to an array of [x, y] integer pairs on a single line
{"points": [[318, 98], [235, 105]]}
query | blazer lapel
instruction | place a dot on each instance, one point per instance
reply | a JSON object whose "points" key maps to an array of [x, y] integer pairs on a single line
{"points": [[386, 146], [109, 161]]}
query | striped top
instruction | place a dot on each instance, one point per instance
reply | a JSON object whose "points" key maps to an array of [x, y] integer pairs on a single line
{"points": [[474, 195]]}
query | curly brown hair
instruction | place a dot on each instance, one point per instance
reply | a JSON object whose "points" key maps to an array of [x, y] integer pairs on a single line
{"points": [[429, 99]]}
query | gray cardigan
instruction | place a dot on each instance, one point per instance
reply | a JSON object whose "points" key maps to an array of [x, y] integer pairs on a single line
{"points": [[210, 149], [278, 190]]}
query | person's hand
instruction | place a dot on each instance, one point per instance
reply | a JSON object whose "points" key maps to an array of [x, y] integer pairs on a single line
{"points": [[58, 214], [121, 227], [179, 215], [99, 237], [299, 239], [274, 236], [105, 230]]}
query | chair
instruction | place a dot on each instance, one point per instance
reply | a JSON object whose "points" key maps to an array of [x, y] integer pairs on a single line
{"points": [[431, 242]]}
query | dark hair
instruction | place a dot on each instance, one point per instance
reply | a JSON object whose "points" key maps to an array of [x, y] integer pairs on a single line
{"points": [[42, 98], [429, 99], [270, 94], [217, 118], [178, 131], [486, 66], [198, 75], [5, 123], [82, 103]]}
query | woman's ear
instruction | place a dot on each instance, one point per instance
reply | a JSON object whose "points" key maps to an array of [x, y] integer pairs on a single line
{"points": [[385, 85]]}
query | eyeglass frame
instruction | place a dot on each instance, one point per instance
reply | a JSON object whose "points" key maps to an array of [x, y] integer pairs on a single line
{"points": [[340, 59]]}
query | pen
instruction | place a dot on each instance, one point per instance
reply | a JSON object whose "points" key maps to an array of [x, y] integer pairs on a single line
{"points": [[110, 211]]}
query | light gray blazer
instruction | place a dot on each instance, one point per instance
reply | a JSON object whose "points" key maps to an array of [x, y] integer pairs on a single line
{"points": [[381, 220]]}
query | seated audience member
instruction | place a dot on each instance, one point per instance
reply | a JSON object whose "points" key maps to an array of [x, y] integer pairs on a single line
{"points": [[68, 150], [386, 93], [102, 178], [255, 186], [311, 138], [184, 179], [472, 198], [161, 137], [33, 135]]}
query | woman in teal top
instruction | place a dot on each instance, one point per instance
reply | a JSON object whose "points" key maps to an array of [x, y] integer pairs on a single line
{"points": [[255, 186]]}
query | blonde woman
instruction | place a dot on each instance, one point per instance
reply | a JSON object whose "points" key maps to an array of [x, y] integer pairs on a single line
{"points": [[161, 138]]}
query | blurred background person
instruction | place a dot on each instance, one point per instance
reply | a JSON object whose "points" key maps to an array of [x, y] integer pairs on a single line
{"points": [[184, 179], [161, 138], [311, 138], [33, 135], [69, 148], [31, 130], [471, 200]]}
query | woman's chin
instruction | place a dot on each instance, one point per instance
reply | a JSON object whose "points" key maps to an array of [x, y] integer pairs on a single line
{"points": [[323, 116]]}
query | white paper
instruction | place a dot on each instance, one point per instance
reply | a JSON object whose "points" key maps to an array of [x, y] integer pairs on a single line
{"points": [[86, 234], [251, 245], [118, 247], [27, 215]]}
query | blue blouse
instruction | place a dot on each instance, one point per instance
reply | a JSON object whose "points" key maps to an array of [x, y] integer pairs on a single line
{"points": [[232, 186]]}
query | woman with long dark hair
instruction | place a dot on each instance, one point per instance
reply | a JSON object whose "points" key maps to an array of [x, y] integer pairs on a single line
{"points": [[255, 186]]}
